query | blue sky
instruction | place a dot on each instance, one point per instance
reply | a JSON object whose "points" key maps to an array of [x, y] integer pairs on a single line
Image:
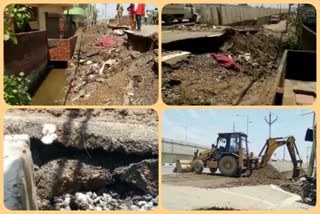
{"points": [[111, 10], [202, 126]]}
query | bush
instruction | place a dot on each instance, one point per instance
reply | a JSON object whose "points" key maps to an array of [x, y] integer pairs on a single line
{"points": [[290, 42], [16, 90]]}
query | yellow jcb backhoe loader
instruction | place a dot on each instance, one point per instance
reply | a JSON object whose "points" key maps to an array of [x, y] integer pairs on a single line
{"points": [[230, 155]]}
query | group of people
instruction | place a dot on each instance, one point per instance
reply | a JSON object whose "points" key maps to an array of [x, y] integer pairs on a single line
{"points": [[151, 17], [137, 14]]}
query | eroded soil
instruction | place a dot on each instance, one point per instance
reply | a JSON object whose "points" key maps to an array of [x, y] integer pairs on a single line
{"points": [[200, 80]]}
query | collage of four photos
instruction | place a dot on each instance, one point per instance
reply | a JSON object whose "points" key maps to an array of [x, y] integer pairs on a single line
{"points": [[148, 68]]}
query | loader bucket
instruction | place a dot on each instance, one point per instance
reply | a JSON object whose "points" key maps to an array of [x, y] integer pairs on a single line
{"points": [[183, 166]]}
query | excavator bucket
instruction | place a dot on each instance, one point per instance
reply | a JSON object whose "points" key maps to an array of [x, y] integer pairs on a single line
{"points": [[298, 172], [183, 166]]}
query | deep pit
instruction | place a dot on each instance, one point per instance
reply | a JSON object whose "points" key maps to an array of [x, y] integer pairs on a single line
{"points": [[91, 169]]}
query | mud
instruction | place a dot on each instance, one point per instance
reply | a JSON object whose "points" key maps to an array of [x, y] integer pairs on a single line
{"points": [[264, 176], [205, 82], [109, 154], [112, 86]]}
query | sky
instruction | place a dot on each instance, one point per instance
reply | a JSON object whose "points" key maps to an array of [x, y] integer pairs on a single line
{"points": [[111, 10], [201, 126]]}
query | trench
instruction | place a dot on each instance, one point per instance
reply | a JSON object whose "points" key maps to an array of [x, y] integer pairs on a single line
{"points": [[53, 87], [63, 172]]}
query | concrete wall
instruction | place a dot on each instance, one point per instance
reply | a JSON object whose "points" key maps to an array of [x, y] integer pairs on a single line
{"points": [[19, 188], [230, 15], [173, 150], [62, 49], [30, 55], [308, 39]]}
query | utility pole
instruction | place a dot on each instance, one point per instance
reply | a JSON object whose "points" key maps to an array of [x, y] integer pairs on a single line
{"points": [[248, 121], [234, 127], [287, 23], [270, 122]]}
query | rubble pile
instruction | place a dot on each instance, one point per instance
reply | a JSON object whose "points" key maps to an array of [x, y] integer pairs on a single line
{"points": [[103, 65], [250, 62], [106, 201]]}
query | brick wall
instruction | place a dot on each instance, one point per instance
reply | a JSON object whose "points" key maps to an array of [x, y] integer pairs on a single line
{"points": [[62, 49], [29, 56]]}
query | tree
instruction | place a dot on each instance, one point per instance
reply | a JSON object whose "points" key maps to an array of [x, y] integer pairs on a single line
{"points": [[16, 20]]}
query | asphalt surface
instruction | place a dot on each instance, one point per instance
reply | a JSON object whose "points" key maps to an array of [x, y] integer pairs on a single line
{"points": [[263, 197]]}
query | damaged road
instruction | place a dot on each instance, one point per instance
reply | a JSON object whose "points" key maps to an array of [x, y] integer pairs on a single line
{"points": [[226, 65], [265, 189], [100, 159], [113, 66]]}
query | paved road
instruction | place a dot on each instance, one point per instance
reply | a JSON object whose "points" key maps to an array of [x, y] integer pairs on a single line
{"points": [[279, 27], [264, 197]]}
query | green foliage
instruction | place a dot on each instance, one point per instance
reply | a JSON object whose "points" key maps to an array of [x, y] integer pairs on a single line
{"points": [[20, 15], [9, 35], [16, 90], [290, 41]]}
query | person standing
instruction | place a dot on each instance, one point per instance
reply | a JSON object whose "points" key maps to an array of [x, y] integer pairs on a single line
{"points": [[131, 11], [155, 16], [119, 13], [139, 14], [146, 17]]}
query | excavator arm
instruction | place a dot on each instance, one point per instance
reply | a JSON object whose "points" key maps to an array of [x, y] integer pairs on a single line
{"points": [[273, 143]]}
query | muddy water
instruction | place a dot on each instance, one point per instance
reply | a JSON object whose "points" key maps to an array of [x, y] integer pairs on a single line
{"points": [[53, 89]]}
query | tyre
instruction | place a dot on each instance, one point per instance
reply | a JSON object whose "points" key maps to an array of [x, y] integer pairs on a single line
{"points": [[194, 18], [213, 170], [198, 166], [308, 194], [228, 166], [169, 20]]}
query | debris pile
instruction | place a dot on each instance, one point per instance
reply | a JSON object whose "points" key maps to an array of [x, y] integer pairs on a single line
{"points": [[103, 66], [106, 201], [205, 80], [264, 176]]}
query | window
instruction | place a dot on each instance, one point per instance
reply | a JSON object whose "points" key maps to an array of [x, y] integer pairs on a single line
{"points": [[221, 144], [234, 144]]}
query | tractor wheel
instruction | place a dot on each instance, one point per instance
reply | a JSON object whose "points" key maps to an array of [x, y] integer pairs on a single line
{"points": [[228, 166], [193, 18], [198, 166], [213, 170]]}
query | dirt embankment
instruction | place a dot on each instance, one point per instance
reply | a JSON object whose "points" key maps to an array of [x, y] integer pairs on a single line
{"points": [[101, 159], [201, 80], [113, 74], [264, 176]]}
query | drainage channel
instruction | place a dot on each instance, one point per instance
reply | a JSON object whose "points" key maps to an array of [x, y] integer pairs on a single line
{"points": [[53, 89]]}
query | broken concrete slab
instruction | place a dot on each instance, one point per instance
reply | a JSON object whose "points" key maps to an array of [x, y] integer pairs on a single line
{"points": [[172, 36], [122, 27], [172, 59], [146, 31], [143, 175], [61, 175], [136, 139]]}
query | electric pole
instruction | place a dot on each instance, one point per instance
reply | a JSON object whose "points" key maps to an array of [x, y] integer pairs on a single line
{"points": [[270, 122]]}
